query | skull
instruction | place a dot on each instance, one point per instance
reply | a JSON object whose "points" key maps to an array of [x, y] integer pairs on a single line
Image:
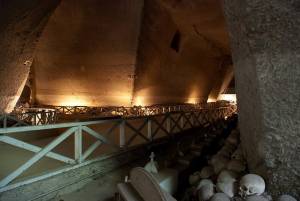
{"points": [[227, 176], [194, 178], [204, 182], [229, 188], [251, 184], [220, 197], [207, 172], [205, 192]]}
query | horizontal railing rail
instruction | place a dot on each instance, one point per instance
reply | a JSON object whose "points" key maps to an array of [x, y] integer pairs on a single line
{"points": [[135, 110], [147, 130]]}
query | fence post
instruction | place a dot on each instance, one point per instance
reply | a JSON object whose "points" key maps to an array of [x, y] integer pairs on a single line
{"points": [[122, 134], [192, 119], [182, 120], [149, 124], [168, 120], [78, 144]]}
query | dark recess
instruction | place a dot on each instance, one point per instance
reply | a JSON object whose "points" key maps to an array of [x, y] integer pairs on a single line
{"points": [[175, 43]]}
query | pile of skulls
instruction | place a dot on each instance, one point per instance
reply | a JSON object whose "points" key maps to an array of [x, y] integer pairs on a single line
{"points": [[226, 178]]}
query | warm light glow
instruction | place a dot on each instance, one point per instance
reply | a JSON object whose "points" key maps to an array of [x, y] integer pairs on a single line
{"points": [[193, 97], [192, 100], [228, 97], [211, 100], [139, 101], [73, 101], [93, 101]]}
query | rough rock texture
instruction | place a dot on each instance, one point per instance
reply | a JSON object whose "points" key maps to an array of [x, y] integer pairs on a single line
{"points": [[87, 53], [266, 56], [21, 23], [188, 74]]}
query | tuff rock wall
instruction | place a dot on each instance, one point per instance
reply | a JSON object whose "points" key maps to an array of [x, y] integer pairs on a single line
{"points": [[100, 53], [21, 24], [87, 53], [266, 55], [182, 49]]}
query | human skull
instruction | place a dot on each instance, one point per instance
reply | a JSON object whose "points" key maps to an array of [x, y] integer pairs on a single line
{"points": [[220, 197], [229, 188], [204, 182], [194, 178], [206, 192], [206, 172], [251, 184], [227, 176]]}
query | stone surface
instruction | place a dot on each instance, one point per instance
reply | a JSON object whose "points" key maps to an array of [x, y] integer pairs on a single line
{"points": [[87, 53], [165, 75], [21, 23], [266, 55], [92, 53]]}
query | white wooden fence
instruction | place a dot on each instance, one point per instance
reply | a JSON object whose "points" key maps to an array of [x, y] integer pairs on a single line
{"points": [[168, 124]]}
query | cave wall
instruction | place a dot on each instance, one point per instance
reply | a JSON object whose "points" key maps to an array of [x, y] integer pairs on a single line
{"points": [[186, 74], [97, 52], [87, 53], [21, 23], [266, 55]]}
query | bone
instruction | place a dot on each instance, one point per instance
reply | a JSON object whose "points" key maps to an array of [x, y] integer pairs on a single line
{"points": [[227, 176], [229, 188], [206, 192], [204, 182], [251, 184], [220, 197], [207, 172]]}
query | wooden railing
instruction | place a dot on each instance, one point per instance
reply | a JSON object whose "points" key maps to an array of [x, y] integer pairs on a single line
{"points": [[147, 130], [135, 110]]}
